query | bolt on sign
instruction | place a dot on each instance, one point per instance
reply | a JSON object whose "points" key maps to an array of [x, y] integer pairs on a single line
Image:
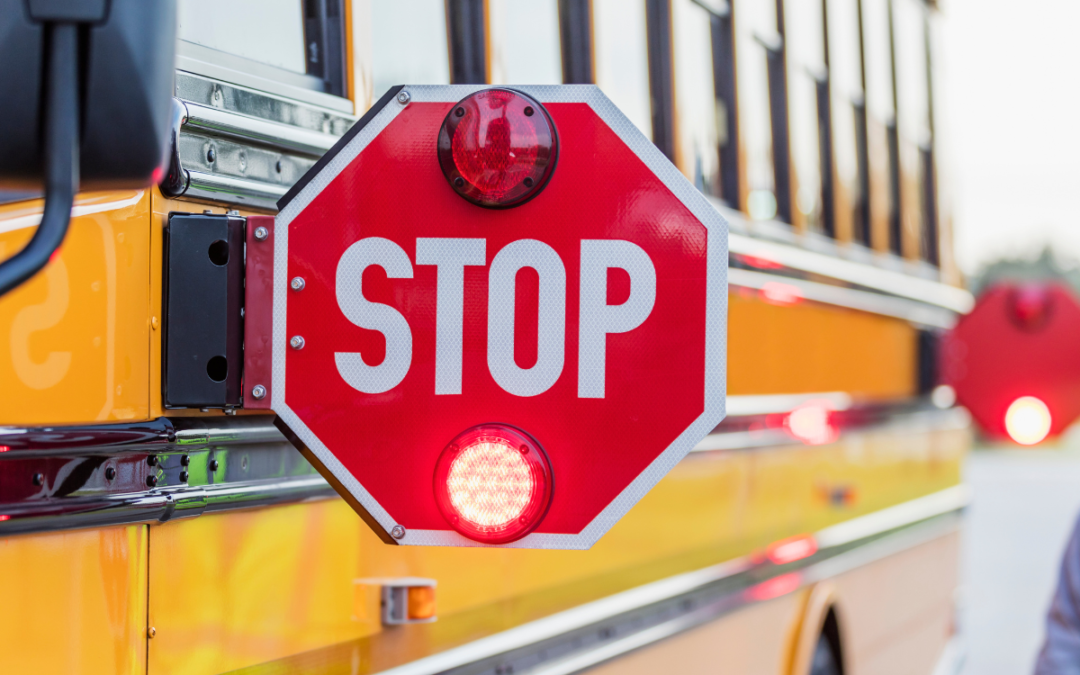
{"points": [[499, 316]]}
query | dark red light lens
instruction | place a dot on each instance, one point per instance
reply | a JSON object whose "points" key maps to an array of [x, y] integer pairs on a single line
{"points": [[493, 483], [498, 148], [1030, 306]]}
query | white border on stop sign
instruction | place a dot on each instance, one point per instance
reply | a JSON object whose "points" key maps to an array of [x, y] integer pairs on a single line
{"points": [[715, 374]]}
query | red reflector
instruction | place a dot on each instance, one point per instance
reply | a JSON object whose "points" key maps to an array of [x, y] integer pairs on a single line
{"points": [[775, 587], [4, 448], [493, 483], [498, 148], [3, 518], [1030, 306], [1028, 420], [789, 550]]}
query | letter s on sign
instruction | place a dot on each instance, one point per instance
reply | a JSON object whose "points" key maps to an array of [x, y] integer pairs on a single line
{"points": [[374, 315]]}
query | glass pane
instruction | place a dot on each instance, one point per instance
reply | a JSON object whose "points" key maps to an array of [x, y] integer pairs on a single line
{"points": [[267, 31], [622, 58], [696, 106], [913, 114], [423, 58], [806, 66], [879, 98], [846, 81], [755, 19], [525, 44]]}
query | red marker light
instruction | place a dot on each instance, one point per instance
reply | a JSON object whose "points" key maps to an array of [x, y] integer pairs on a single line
{"points": [[789, 550], [779, 293], [1028, 420], [498, 148], [493, 484], [812, 423]]}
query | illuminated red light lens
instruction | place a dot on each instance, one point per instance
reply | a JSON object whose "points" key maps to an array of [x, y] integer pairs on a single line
{"points": [[1028, 420], [493, 483], [812, 423], [498, 148], [789, 550]]}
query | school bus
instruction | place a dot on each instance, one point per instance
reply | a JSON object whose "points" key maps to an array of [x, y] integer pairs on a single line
{"points": [[815, 530]]}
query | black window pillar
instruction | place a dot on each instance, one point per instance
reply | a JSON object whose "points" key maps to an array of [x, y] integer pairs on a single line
{"points": [[468, 55], [575, 28], [661, 77]]}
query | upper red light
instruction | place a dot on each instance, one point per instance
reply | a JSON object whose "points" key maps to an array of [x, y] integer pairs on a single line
{"points": [[498, 148], [493, 483]]}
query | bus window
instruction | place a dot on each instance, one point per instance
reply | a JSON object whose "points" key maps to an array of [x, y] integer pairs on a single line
{"points": [[700, 115], [524, 39], [267, 31], [882, 138], [757, 44], [257, 43], [913, 122], [808, 109], [621, 56], [423, 58], [848, 119]]}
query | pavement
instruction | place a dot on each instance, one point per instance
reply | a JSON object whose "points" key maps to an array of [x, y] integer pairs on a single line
{"points": [[1025, 503]]}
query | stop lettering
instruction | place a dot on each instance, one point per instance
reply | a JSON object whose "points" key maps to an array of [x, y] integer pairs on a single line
{"points": [[474, 372]]}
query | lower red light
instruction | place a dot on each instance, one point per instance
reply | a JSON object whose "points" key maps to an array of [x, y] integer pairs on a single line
{"points": [[498, 148], [493, 483], [1028, 420]]}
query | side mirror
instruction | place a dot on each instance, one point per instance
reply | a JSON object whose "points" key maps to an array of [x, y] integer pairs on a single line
{"points": [[86, 105]]}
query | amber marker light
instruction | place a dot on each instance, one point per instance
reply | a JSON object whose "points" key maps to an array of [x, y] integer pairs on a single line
{"points": [[493, 483], [498, 148], [1028, 420]]}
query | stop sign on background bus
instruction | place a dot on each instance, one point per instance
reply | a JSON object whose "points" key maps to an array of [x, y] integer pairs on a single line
{"points": [[499, 316], [1015, 363]]}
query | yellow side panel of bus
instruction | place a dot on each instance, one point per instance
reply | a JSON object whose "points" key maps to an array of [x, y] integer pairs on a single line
{"points": [[814, 348], [75, 339], [74, 602], [234, 589]]}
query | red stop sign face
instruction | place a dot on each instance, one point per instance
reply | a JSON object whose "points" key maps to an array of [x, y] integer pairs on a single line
{"points": [[1019, 341], [592, 317]]}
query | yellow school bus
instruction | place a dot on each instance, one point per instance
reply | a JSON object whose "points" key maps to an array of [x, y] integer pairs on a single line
{"points": [[814, 531]]}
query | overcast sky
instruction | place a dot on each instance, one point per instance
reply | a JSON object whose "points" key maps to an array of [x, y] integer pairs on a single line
{"points": [[1011, 75]]}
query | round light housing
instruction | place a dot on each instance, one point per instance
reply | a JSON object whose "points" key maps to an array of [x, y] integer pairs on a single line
{"points": [[1028, 420], [498, 148], [493, 483]]}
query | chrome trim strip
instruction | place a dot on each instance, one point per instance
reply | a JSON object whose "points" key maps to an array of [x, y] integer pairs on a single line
{"points": [[830, 561], [218, 65], [953, 658], [259, 467], [902, 308], [781, 403], [275, 135], [234, 190], [886, 281]]}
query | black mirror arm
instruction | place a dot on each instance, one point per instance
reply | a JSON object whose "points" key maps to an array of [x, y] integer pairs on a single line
{"points": [[61, 157]]}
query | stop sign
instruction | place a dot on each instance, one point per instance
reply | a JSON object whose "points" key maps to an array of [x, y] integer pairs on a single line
{"points": [[417, 334], [1018, 343]]}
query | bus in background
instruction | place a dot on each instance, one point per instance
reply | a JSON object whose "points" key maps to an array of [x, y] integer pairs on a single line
{"points": [[814, 531]]}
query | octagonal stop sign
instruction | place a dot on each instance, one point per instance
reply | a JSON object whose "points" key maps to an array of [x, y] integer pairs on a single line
{"points": [[1017, 351], [470, 371]]}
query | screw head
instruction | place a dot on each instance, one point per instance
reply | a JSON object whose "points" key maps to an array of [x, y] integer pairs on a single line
{"points": [[398, 532], [151, 481], [258, 392], [296, 342], [151, 460], [151, 632], [184, 460], [297, 283], [404, 97], [211, 155], [261, 233], [183, 476], [110, 473], [214, 465], [38, 479]]}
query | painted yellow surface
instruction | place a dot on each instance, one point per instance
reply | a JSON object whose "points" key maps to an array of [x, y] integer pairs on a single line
{"points": [[811, 348], [74, 339], [271, 583], [74, 602]]}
